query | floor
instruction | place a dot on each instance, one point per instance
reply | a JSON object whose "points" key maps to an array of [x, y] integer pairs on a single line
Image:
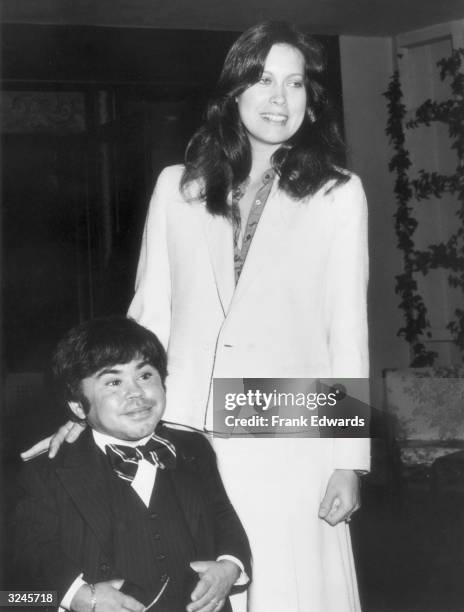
{"points": [[409, 548]]}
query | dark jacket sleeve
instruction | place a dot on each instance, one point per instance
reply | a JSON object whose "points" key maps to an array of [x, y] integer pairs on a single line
{"points": [[230, 536], [39, 558]]}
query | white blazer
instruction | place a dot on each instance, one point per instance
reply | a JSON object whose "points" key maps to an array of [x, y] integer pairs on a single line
{"points": [[299, 308]]}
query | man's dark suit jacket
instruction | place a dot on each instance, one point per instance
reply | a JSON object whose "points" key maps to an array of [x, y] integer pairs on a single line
{"points": [[75, 515]]}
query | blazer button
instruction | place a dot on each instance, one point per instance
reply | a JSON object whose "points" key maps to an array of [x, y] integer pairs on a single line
{"points": [[156, 536], [161, 557], [153, 516], [164, 577]]}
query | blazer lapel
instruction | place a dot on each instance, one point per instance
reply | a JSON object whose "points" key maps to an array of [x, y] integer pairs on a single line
{"points": [[85, 483], [280, 214], [218, 232], [188, 497], [279, 227]]}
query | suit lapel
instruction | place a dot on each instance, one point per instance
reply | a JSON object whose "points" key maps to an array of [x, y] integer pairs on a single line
{"points": [[187, 496], [183, 480], [280, 225], [84, 480], [281, 213], [218, 232]]}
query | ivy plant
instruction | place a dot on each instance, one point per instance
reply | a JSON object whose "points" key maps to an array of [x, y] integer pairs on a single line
{"points": [[448, 255]]}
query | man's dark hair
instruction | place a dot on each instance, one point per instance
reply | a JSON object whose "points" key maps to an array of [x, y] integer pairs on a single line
{"points": [[102, 343]]}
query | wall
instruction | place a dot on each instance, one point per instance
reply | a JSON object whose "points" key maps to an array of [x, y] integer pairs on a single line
{"points": [[367, 64], [431, 149]]}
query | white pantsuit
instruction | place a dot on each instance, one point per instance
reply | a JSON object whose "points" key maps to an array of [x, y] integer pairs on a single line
{"points": [[298, 310]]}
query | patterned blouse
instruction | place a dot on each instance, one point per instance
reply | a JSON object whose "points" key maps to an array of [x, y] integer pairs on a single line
{"points": [[241, 246]]}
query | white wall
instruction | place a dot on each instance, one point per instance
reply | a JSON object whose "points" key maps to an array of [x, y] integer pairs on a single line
{"points": [[430, 149], [367, 64]]}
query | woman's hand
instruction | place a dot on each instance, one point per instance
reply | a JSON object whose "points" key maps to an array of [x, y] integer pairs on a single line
{"points": [[342, 497], [68, 432]]}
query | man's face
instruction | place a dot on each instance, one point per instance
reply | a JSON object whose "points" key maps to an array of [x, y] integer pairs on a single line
{"points": [[126, 400]]}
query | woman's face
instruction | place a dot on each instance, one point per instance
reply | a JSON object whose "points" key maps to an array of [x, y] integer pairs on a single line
{"points": [[273, 109]]}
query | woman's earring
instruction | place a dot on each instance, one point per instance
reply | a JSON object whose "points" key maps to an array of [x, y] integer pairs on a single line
{"points": [[311, 115]]}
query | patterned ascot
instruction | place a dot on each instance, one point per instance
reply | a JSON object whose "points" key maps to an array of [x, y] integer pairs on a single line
{"points": [[125, 459]]}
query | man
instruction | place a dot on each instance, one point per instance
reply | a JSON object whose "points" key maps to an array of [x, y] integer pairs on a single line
{"points": [[127, 518]]}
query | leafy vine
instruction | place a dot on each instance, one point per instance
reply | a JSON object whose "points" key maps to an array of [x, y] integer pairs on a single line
{"points": [[450, 254]]}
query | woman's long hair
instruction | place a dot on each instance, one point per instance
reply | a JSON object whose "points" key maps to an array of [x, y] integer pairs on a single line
{"points": [[219, 153]]}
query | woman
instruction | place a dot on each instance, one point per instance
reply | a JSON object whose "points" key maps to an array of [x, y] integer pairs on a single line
{"points": [[254, 264]]}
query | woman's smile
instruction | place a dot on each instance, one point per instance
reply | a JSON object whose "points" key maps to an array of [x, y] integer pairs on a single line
{"points": [[275, 118]]}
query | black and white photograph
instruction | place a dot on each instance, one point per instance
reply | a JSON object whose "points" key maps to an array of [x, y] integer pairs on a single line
{"points": [[232, 314]]}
